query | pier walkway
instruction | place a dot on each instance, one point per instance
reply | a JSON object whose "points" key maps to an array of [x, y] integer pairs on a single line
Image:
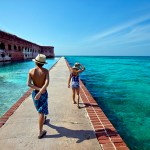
{"points": [[68, 128]]}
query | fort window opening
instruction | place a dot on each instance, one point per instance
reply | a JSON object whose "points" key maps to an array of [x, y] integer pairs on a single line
{"points": [[2, 55], [15, 47], [2, 46]]}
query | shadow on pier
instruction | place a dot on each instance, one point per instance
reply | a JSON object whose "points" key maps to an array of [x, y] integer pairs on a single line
{"points": [[80, 135]]}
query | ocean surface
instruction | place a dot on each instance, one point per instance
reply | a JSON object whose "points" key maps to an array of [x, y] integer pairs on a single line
{"points": [[13, 78], [121, 87]]}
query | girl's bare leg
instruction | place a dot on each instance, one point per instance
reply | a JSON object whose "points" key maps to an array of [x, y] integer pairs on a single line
{"points": [[73, 95], [78, 91]]}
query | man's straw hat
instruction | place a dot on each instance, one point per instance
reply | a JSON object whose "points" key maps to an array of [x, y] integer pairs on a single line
{"points": [[40, 58]]}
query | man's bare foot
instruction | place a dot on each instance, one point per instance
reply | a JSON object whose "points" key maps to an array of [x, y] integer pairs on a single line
{"points": [[74, 102], [42, 134]]}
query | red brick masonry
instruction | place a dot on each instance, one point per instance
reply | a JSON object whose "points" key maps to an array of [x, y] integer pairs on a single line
{"points": [[108, 137]]}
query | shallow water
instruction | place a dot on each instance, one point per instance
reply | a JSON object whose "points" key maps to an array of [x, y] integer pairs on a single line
{"points": [[13, 77], [121, 87]]}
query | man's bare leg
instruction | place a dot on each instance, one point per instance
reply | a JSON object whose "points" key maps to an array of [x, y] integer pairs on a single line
{"points": [[41, 121], [45, 117], [73, 95]]}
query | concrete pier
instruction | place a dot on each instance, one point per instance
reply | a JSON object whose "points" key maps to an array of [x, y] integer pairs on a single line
{"points": [[68, 128]]}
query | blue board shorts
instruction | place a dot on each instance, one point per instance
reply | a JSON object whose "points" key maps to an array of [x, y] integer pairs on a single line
{"points": [[41, 104]]}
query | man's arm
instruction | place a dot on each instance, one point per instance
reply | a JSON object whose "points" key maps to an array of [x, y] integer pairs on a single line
{"points": [[29, 83]]}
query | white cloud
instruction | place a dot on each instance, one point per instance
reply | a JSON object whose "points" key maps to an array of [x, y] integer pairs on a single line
{"points": [[120, 28]]}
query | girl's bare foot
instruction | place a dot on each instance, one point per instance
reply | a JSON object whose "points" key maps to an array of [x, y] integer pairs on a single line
{"points": [[74, 102]]}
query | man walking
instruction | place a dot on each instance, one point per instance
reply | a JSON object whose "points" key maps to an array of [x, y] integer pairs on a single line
{"points": [[38, 80]]}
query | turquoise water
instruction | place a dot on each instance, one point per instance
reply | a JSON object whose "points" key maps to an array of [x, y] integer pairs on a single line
{"points": [[121, 86], [13, 77]]}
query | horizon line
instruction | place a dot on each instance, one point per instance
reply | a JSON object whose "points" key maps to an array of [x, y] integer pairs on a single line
{"points": [[105, 55]]}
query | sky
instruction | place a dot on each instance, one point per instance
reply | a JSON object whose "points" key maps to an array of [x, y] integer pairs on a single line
{"points": [[81, 27]]}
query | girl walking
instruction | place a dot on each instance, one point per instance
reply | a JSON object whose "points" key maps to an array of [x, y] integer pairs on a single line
{"points": [[74, 78]]}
